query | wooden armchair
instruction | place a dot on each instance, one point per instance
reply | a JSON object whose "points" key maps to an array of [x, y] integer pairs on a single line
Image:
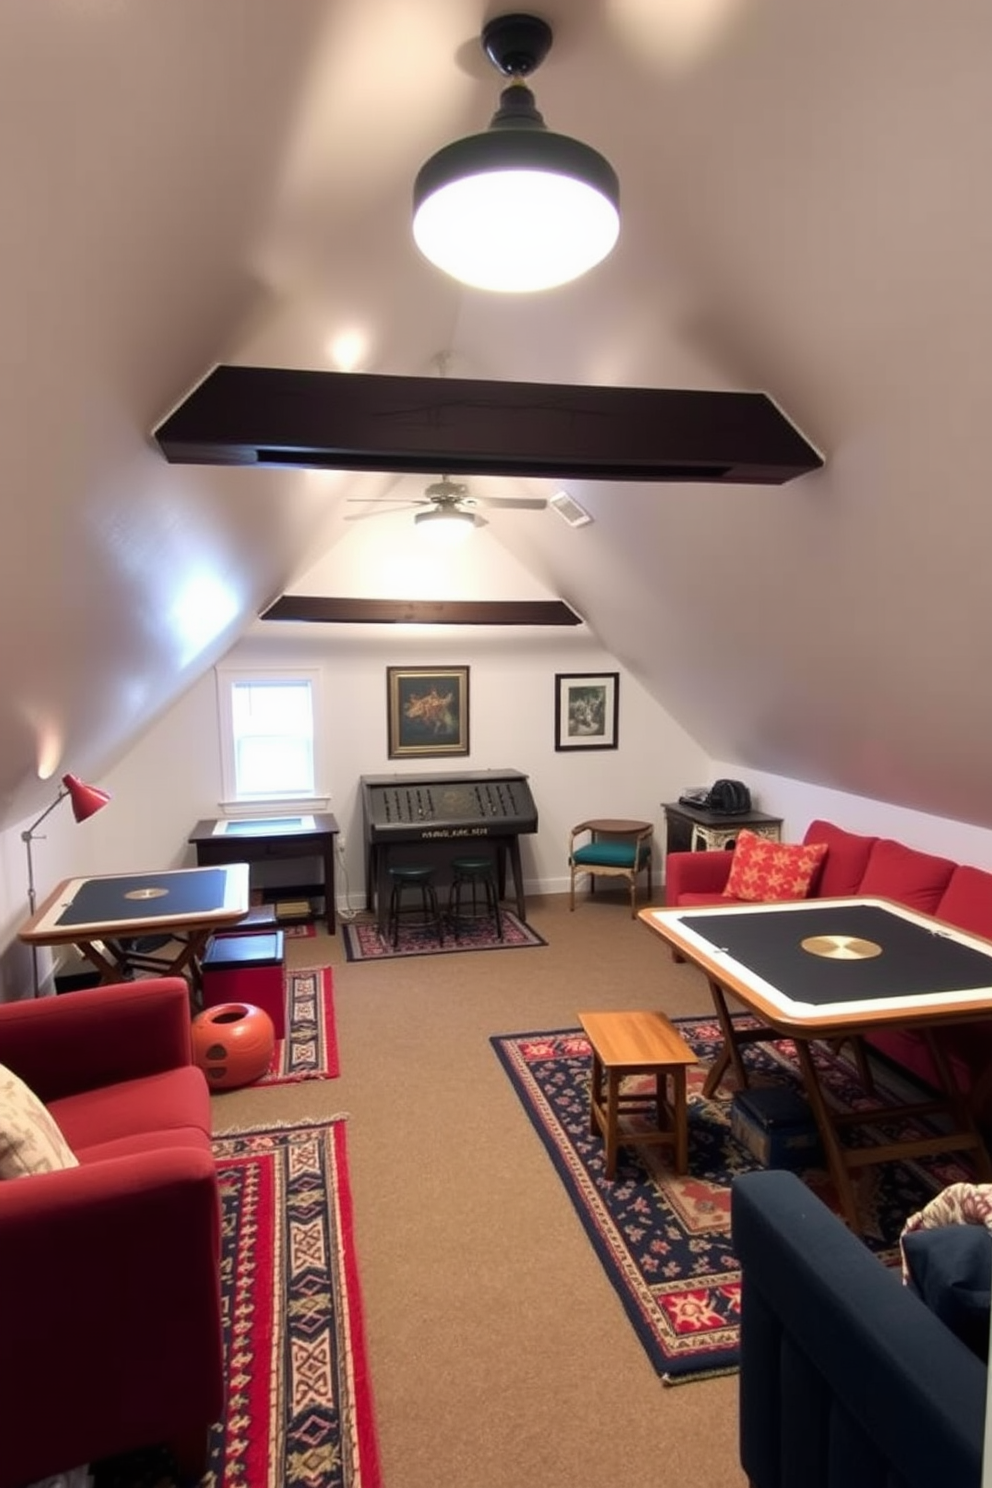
{"points": [[615, 847]]}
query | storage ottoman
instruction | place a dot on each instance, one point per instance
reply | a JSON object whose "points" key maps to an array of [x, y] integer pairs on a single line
{"points": [[776, 1125], [259, 920], [247, 968]]}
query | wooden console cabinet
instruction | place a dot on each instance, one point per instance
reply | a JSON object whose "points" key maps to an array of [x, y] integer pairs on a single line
{"points": [[691, 829]]}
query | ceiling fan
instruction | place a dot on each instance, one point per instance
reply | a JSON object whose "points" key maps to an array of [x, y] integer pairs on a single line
{"points": [[448, 504]]}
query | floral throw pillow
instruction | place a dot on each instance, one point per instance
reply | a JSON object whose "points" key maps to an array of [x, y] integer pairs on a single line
{"points": [[763, 872], [30, 1139]]}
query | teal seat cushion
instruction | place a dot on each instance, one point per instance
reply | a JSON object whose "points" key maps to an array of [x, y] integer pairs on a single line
{"points": [[606, 854], [472, 865]]}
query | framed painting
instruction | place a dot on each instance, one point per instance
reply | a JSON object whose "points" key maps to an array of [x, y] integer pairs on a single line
{"points": [[427, 711], [587, 710]]}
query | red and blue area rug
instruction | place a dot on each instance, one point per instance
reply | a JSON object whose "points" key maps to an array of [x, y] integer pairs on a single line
{"points": [[299, 1402], [363, 940], [310, 1049], [664, 1240]]}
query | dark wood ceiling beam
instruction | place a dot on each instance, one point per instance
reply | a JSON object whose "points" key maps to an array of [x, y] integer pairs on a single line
{"points": [[272, 416], [421, 611]]}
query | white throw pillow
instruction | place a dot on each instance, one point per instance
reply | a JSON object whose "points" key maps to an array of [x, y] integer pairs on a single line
{"points": [[30, 1140]]}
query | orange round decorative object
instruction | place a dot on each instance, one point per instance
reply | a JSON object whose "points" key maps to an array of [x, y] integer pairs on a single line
{"points": [[233, 1043]]}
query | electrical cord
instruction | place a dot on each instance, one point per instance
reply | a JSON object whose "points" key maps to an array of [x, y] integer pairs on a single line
{"points": [[347, 914]]}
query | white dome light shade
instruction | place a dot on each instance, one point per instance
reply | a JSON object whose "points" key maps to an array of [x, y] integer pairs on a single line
{"points": [[516, 210], [445, 525]]}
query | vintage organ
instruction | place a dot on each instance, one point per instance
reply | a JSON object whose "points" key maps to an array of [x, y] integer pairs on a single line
{"points": [[434, 818]]}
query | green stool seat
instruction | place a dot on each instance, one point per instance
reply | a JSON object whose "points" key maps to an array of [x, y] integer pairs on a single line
{"points": [[607, 855], [423, 913], [473, 895]]}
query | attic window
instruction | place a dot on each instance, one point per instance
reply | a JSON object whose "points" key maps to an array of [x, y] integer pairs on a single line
{"points": [[267, 735]]}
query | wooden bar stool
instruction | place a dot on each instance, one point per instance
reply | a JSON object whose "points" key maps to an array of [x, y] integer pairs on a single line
{"points": [[423, 913], [629, 1044]]}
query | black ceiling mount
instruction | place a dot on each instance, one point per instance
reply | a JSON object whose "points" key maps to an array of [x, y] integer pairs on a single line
{"points": [[419, 425], [516, 45]]}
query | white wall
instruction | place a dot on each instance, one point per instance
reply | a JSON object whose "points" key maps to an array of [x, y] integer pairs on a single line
{"points": [[172, 776], [800, 803], [511, 725]]}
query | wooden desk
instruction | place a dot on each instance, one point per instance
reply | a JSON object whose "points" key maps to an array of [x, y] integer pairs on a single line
{"points": [[265, 839], [834, 969], [106, 918]]}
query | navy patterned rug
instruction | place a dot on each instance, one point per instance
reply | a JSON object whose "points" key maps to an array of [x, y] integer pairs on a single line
{"points": [[664, 1240], [363, 940]]}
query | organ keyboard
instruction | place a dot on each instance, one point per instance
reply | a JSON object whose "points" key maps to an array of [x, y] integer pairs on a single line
{"points": [[408, 816]]}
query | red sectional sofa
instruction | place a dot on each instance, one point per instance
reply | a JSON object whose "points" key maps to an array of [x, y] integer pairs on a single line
{"points": [[878, 867], [110, 1297]]}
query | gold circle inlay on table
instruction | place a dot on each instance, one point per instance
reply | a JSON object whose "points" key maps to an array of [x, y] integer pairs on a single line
{"points": [[841, 947], [146, 893]]}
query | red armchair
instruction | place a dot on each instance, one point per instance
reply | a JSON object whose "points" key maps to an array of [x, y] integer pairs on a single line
{"points": [[110, 1305]]}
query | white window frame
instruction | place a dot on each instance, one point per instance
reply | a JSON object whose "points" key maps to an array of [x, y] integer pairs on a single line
{"points": [[227, 679]]}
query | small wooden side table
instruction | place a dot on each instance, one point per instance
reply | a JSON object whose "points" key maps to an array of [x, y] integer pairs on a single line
{"points": [[631, 1044]]}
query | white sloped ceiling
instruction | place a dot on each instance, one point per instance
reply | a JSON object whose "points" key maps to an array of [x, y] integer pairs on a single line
{"points": [[805, 211]]}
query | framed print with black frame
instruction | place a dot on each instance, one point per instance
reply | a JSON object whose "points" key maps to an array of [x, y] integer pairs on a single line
{"points": [[587, 710], [427, 711]]}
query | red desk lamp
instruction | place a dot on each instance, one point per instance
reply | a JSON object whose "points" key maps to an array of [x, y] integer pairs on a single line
{"points": [[86, 801]]}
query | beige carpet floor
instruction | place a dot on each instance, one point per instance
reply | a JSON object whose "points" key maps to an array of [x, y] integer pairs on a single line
{"points": [[501, 1356]]}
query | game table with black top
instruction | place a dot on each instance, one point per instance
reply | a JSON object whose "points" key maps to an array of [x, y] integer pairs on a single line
{"points": [[111, 918], [836, 969]]}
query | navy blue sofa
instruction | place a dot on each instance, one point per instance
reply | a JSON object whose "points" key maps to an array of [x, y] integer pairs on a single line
{"points": [[847, 1379]]}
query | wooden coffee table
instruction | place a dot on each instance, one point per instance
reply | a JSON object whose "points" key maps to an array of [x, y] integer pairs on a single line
{"points": [[631, 1044]]}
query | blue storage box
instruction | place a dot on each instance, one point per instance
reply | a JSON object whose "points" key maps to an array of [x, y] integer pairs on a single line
{"points": [[776, 1125]]}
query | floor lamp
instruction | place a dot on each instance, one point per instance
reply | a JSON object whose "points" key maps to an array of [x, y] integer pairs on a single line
{"points": [[86, 801]]}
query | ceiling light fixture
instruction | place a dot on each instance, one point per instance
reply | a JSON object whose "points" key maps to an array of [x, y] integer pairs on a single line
{"points": [[446, 524], [518, 208]]}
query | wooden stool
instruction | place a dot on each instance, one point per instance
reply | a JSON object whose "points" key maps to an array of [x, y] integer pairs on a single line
{"points": [[631, 1044]]}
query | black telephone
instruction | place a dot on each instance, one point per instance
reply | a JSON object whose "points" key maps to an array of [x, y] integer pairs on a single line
{"points": [[724, 797]]}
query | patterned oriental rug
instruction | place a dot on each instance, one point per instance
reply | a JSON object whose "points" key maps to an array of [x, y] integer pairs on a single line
{"points": [[363, 940], [310, 1049], [664, 1240], [299, 1407]]}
